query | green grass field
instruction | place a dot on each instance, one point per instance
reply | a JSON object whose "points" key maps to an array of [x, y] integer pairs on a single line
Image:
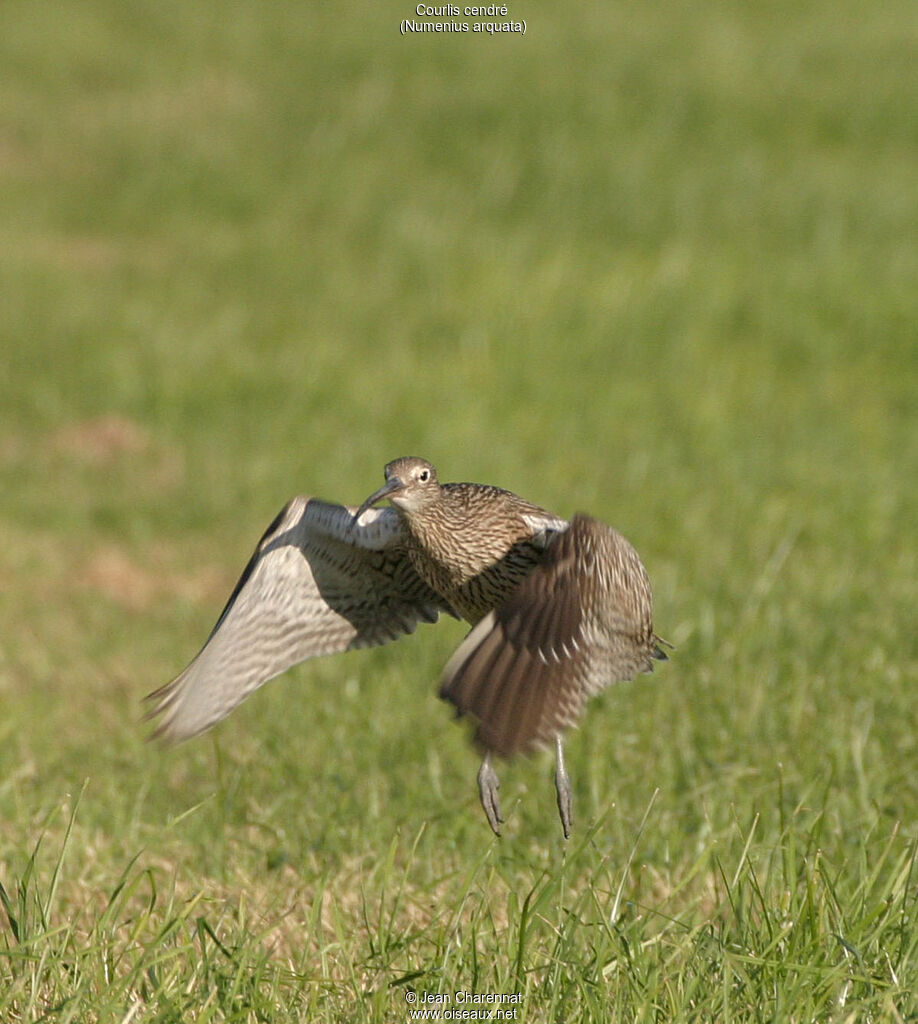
{"points": [[652, 261]]}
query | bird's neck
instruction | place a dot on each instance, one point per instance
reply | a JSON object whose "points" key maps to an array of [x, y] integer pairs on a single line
{"points": [[436, 536]]}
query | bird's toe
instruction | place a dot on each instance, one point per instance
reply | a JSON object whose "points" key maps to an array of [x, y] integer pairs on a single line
{"points": [[488, 785]]}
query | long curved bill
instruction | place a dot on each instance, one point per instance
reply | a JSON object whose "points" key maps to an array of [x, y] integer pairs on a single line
{"points": [[392, 485]]}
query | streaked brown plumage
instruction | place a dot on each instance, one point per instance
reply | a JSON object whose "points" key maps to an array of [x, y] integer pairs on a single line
{"points": [[559, 610]]}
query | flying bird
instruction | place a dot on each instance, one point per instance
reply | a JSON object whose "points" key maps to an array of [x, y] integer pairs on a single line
{"points": [[559, 610]]}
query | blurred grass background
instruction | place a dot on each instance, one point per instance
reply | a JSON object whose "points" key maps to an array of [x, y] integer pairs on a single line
{"points": [[656, 262]]}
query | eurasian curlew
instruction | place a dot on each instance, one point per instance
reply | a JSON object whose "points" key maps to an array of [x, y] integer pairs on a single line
{"points": [[559, 610]]}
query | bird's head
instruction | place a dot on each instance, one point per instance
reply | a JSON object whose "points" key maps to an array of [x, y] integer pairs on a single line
{"points": [[411, 484]]}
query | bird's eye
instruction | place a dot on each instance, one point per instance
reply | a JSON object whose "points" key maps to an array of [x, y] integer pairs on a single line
{"points": [[424, 476]]}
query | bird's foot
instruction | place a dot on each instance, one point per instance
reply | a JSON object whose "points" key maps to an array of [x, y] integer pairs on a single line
{"points": [[488, 785], [563, 787]]}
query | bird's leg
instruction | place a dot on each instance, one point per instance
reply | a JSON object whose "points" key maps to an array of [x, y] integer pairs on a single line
{"points": [[488, 785], [563, 786]]}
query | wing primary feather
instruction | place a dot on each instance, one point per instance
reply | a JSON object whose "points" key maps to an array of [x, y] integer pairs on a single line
{"points": [[495, 680]]}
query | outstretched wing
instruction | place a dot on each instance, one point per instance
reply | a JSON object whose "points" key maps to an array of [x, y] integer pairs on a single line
{"points": [[318, 583], [580, 620]]}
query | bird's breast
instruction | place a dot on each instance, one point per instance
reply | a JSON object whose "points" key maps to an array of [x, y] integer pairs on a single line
{"points": [[473, 572]]}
